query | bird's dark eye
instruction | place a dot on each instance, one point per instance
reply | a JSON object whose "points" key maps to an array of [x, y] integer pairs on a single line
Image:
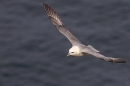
{"points": [[72, 52]]}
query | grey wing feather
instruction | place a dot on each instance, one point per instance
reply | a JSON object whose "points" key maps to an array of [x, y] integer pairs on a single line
{"points": [[92, 48], [59, 25], [102, 57]]}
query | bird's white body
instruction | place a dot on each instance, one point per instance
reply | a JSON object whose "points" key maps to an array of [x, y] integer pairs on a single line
{"points": [[75, 51]]}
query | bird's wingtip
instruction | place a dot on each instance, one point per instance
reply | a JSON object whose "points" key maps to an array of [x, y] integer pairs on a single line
{"points": [[44, 3], [119, 60]]}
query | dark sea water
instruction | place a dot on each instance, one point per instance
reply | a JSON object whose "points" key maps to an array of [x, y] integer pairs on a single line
{"points": [[33, 52]]}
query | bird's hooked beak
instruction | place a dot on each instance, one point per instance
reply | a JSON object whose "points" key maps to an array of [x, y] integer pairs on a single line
{"points": [[68, 54]]}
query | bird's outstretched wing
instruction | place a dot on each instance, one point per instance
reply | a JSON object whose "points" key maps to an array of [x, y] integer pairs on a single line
{"points": [[59, 25], [102, 57]]}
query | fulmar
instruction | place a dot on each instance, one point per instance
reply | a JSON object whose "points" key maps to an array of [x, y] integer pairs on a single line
{"points": [[77, 49]]}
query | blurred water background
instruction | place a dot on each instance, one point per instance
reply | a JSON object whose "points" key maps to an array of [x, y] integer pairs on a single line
{"points": [[33, 52]]}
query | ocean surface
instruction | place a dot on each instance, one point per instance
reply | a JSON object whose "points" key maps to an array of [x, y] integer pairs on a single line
{"points": [[33, 52]]}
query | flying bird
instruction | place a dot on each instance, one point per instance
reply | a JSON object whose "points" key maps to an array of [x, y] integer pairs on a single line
{"points": [[77, 49]]}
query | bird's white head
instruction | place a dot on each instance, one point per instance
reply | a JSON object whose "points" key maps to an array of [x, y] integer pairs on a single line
{"points": [[74, 51]]}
